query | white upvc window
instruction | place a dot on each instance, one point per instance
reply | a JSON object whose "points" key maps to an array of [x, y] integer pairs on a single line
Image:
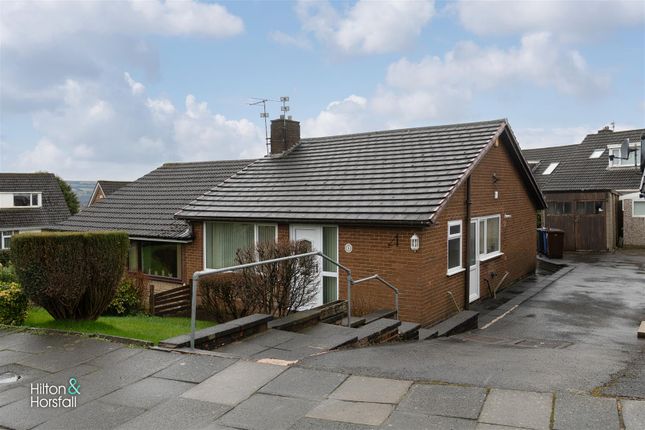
{"points": [[489, 237], [638, 208], [21, 199], [550, 169], [618, 161], [454, 247], [5, 239], [222, 240]]}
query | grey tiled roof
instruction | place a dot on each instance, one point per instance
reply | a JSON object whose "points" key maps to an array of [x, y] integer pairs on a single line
{"points": [[396, 176], [578, 172], [109, 187], [53, 210], [145, 208]]}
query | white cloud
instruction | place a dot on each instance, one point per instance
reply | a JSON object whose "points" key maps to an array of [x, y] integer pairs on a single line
{"points": [[368, 27], [113, 133], [535, 137], [281, 38], [135, 87], [571, 19], [437, 87], [28, 23], [339, 117]]}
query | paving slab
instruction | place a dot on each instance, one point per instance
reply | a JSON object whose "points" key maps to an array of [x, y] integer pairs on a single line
{"points": [[27, 375], [408, 420], [242, 349], [79, 351], [304, 383], [177, 413], [112, 358], [374, 390], [295, 354], [575, 412], [517, 409], [147, 393], [271, 337], [95, 415], [264, 411], [235, 383], [316, 424], [484, 426], [352, 412], [633, 414], [13, 394], [445, 400], [19, 415], [194, 368]]}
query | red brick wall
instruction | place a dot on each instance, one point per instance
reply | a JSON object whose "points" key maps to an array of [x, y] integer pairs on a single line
{"points": [[193, 253]]}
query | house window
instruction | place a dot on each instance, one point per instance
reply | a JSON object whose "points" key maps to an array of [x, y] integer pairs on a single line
{"points": [[330, 270], [559, 208], [223, 240], [454, 247], [550, 169], [597, 153], [161, 259], [589, 207], [133, 257], [618, 161], [638, 209], [21, 200], [489, 236], [5, 239]]}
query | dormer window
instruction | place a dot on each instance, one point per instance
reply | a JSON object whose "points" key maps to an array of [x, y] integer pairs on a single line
{"points": [[550, 169], [21, 200], [533, 164], [618, 161]]}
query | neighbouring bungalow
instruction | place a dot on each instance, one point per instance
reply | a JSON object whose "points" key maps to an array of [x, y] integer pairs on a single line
{"points": [[103, 188], [160, 245], [29, 202], [444, 213], [583, 185]]}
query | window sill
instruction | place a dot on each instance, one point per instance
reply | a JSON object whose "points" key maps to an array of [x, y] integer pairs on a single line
{"points": [[455, 271], [491, 256]]}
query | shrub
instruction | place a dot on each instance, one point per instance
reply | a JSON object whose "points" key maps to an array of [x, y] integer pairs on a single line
{"points": [[71, 275], [5, 257], [13, 304], [8, 274], [226, 297], [127, 299]]}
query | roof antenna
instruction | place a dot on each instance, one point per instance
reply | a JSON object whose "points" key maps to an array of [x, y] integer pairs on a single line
{"points": [[264, 114], [613, 126], [284, 108]]}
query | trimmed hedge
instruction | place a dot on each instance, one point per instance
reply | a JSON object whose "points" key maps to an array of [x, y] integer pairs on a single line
{"points": [[71, 275], [5, 257], [13, 304]]}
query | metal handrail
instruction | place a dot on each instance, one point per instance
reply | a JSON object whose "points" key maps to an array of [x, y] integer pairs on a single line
{"points": [[201, 273], [387, 284]]}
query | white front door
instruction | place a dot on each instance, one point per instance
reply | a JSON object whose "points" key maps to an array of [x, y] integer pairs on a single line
{"points": [[313, 235], [473, 260]]}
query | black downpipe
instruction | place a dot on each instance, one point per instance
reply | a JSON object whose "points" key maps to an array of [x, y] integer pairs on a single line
{"points": [[467, 241]]}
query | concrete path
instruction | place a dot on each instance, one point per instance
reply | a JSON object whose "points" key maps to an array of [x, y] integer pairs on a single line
{"points": [[567, 359]]}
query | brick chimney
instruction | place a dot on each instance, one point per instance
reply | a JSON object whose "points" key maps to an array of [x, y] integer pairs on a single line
{"points": [[285, 134]]}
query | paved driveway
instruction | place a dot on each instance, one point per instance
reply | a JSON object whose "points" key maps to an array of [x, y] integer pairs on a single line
{"points": [[559, 361]]}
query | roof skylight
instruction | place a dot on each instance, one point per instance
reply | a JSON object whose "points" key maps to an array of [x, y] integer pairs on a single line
{"points": [[597, 153], [550, 169]]}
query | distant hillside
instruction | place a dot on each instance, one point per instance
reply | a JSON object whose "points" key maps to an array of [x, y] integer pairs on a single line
{"points": [[83, 190]]}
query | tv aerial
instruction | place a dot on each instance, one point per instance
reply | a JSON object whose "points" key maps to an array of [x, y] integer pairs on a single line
{"points": [[264, 114]]}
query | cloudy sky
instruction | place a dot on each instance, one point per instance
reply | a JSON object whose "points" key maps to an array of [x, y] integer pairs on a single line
{"points": [[110, 90]]}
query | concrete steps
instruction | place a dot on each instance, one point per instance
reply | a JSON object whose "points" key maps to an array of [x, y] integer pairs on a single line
{"points": [[409, 331], [356, 322], [381, 330], [381, 313], [459, 323]]}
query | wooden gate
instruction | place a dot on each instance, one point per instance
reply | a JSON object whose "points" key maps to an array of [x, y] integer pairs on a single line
{"points": [[583, 218]]}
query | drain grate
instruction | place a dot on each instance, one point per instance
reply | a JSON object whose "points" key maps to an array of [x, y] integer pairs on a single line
{"points": [[8, 378], [543, 343]]}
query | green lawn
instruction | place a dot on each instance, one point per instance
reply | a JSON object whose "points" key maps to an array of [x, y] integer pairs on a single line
{"points": [[142, 327]]}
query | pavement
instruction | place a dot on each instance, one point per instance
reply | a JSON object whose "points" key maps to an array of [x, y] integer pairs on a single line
{"points": [[568, 358]]}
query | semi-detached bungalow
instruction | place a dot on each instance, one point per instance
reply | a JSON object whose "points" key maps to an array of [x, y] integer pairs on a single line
{"points": [[444, 213]]}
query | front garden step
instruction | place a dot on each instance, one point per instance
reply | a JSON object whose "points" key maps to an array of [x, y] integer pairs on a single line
{"points": [[458, 323], [297, 320], [409, 330], [221, 334], [381, 330], [381, 313], [428, 333], [356, 322]]}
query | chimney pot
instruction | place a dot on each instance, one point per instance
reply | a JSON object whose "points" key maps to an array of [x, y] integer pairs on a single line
{"points": [[285, 134]]}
